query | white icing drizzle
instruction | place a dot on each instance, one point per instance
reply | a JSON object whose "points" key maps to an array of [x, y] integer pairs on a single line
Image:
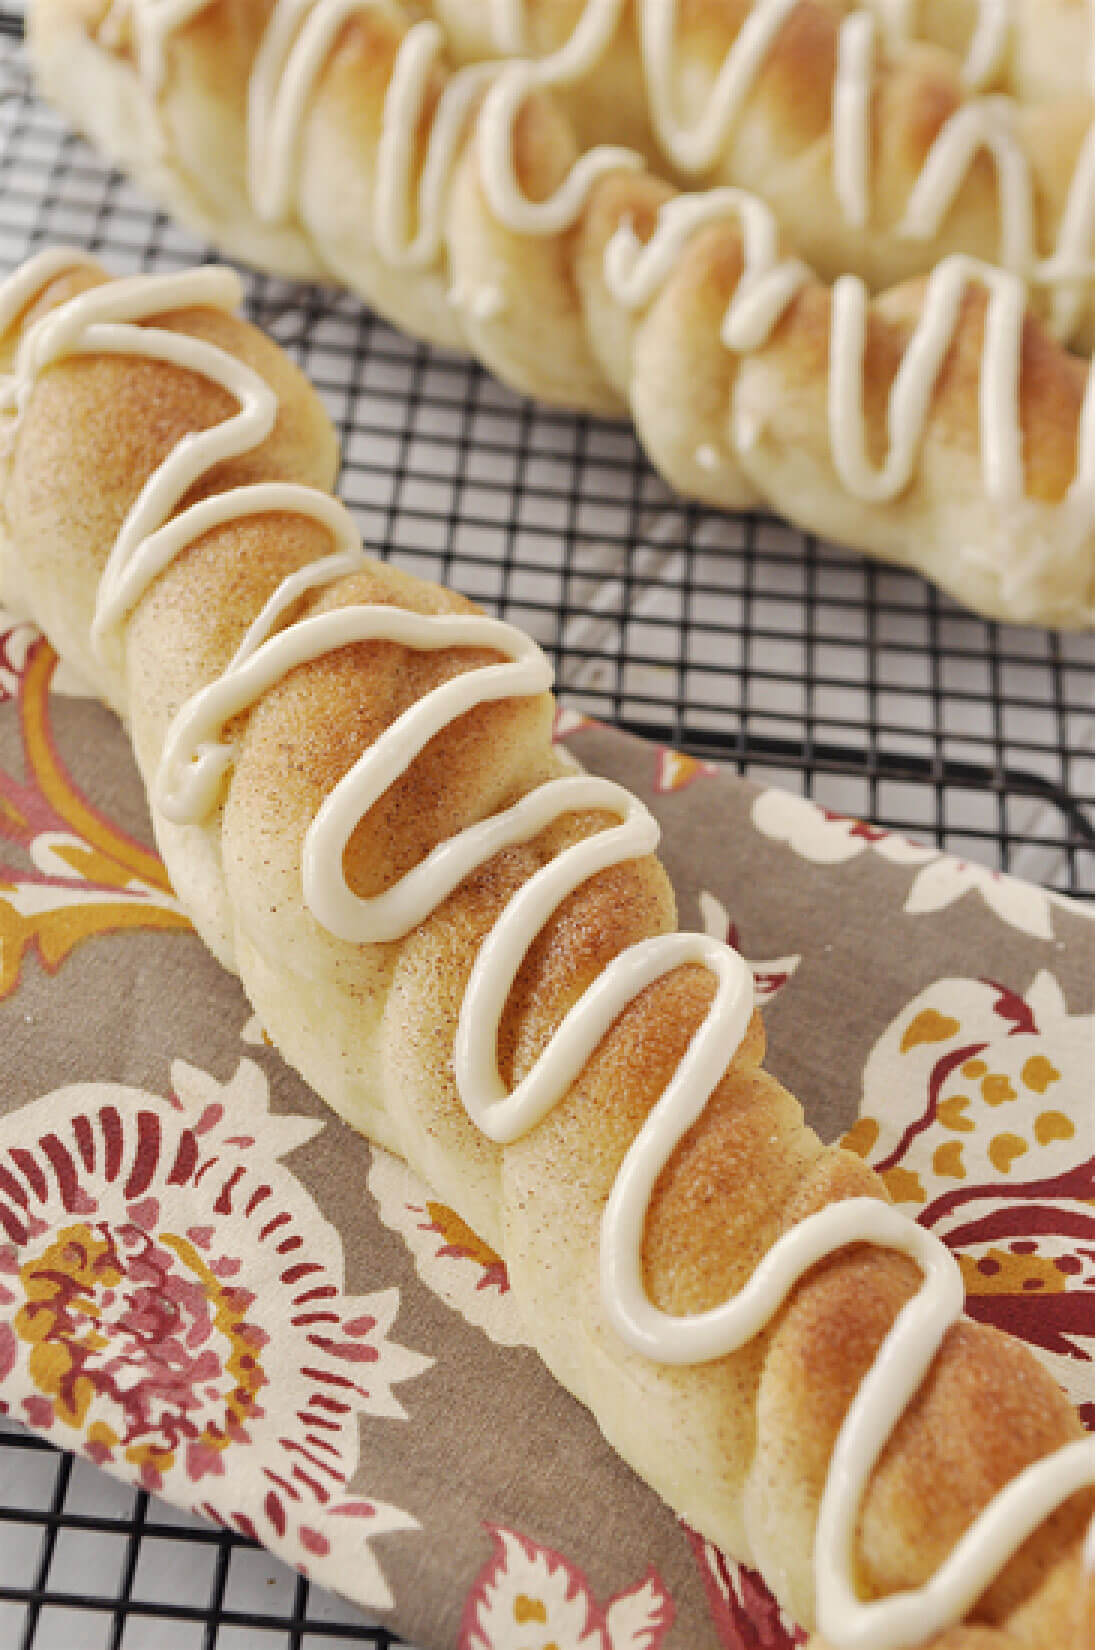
{"points": [[301, 33], [979, 125], [1069, 268], [295, 46], [496, 128], [192, 770], [697, 148], [988, 42], [31, 279], [417, 56], [507, 28], [1020, 559], [913, 386], [855, 49], [153, 21], [300, 37], [101, 322], [634, 273], [150, 23], [119, 594], [982, 125]]}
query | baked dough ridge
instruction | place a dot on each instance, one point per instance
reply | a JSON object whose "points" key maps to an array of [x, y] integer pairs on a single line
{"points": [[739, 1447]]}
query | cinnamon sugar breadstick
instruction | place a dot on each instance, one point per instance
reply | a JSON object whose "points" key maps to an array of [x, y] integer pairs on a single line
{"points": [[468, 949], [938, 425], [876, 155]]}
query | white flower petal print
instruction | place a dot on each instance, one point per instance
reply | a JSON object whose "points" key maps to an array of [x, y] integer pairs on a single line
{"points": [[798, 822], [1046, 999], [172, 1302], [898, 849], [639, 1618], [527, 1585], [529, 1596], [449, 1258], [940, 880], [238, 1114], [1020, 904], [828, 838]]}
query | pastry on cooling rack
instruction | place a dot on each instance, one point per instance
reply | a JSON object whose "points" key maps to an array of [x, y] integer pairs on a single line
{"points": [[876, 155], [468, 948], [938, 425]]}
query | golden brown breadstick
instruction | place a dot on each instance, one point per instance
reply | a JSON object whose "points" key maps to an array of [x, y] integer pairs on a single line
{"points": [[514, 1014], [938, 425], [877, 154]]}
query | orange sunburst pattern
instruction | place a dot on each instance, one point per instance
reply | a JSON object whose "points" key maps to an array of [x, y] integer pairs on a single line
{"points": [[80, 874]]}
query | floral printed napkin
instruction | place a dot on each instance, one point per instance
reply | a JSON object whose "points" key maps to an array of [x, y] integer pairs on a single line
{"points": [[212, 1287]]}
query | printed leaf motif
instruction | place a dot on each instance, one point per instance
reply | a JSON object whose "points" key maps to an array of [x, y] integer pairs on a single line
{"points": [[1020, 904], [530, 1597], [83, 876], [828, 838]]}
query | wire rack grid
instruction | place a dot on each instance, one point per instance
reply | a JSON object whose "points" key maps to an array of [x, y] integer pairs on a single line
{"points": [[730, 637]]}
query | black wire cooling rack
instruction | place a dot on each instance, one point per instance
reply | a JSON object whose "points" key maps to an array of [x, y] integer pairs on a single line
{"points": [[731, 637]]}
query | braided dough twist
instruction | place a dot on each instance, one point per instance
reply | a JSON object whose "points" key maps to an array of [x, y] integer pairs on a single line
{"points": [[467, 949], [876, 155], [1035, 50], [938, 425], [1032, 49]]}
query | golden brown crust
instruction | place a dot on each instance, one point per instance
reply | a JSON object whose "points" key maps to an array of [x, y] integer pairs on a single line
{"points": [[538, 310], [741, 1445], [109, 422]]}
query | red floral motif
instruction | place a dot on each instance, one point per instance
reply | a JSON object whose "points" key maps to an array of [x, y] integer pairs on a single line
{"points": [[136, 1318], [455, 1263], [745, 1614], [128, 1226], [858, 828], [460, 1242], [1029, 1262], [531, 1597]]}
